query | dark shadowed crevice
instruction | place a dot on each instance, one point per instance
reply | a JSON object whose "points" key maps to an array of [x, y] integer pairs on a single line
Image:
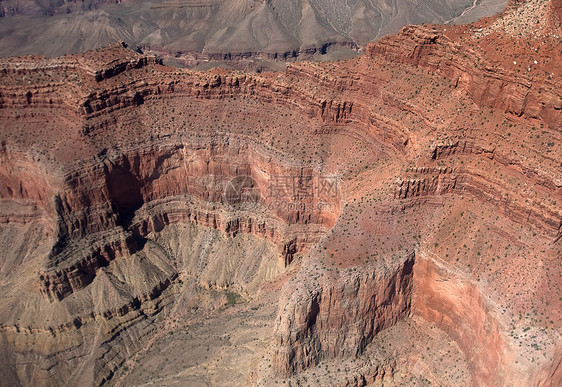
{"points": [[125, 193], [312, 314]]}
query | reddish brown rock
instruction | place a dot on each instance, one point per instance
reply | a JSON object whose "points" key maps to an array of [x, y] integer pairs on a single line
{"points": [[118, 225]]}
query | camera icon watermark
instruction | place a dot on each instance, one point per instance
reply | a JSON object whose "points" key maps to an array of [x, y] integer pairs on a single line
{"points": [[242, 192], [283, 192]]}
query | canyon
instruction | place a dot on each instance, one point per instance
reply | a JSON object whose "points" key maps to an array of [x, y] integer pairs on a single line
{"points": [[245, 34], [390, 219]]}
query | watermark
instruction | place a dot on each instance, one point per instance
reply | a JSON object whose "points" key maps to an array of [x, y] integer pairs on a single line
{"points": [[284, 192], [286, 206], [242, 192], [303, 187]]}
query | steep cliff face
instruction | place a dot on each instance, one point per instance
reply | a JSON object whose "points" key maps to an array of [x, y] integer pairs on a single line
{"points": [[337, 316], [551, 374], [460, 309], [482, 71], [141, 193], [411, 190]]}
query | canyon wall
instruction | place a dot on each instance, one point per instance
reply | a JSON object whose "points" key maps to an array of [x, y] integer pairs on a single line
{"points": [[420, 182], [489, 83], [460, 309], [120, 201], [338, 316]]}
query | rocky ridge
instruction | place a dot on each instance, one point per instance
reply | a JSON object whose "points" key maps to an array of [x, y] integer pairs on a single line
{"points": [[243, 33], [117, 224]]}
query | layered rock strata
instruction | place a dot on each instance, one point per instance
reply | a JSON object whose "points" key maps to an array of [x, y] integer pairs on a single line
{"points": [[416, 189]]}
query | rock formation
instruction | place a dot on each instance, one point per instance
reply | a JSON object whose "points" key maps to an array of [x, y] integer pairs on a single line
{"points": [[394, 217], [249, 34]]}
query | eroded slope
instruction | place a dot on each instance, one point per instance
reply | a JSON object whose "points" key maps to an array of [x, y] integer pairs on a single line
{"points": [[441, 148]]}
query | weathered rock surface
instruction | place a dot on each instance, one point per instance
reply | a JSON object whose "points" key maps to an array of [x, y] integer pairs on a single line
{"points": [[244, 33], [395, 217], [338, 316]]}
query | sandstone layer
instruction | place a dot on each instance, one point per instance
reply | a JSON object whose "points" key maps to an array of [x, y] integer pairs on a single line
{"points": [[391, 218]]}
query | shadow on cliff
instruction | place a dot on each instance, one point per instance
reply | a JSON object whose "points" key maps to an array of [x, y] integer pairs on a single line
{"points": [[125, 193]]}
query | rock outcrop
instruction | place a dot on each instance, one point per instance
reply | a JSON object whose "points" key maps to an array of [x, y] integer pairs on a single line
{"points": [[338, 316], [414, 189], [489, 82]]}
